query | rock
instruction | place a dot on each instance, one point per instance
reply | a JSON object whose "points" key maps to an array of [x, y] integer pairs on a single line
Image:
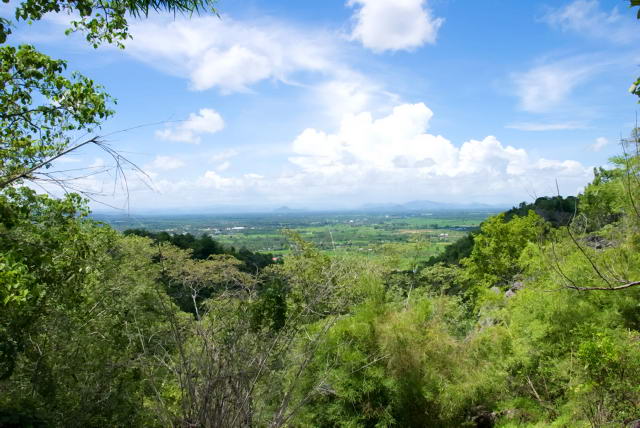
{"points": [[485, 420], [518, 285], [634, 424], [597, 242]]}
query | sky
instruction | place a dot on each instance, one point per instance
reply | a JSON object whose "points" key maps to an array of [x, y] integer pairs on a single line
{"points": [[338, 103]]}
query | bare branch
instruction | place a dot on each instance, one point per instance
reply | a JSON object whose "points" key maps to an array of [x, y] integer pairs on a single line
{"points": [[26, 174], [620, 287]]}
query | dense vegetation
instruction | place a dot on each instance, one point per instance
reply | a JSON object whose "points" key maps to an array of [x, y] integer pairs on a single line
{"points": [[538, 326], [204, 246], [535, 321]]}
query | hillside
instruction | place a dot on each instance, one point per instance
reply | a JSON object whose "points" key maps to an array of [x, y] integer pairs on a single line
{"points": [[532, 325]]}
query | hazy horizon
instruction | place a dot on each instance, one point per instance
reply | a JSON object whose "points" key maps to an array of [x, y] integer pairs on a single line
{"points": [[293, 209]]}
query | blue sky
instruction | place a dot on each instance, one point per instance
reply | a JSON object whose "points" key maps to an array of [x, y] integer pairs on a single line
{"points": [[337, 103]]}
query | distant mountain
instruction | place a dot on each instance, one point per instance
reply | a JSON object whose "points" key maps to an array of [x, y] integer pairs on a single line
{"points": [[285, 210], [429, 206], [421, 205], [380, 207]]}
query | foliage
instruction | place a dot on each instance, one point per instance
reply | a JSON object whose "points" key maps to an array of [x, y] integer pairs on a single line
{"points": [[204, 246], [34, 231], [556, 210], [73, 336], [398, 365], [40, 110], [445, 279], [454, 253], [601, 201], [635, 87], [103, 21], [496, 249]]}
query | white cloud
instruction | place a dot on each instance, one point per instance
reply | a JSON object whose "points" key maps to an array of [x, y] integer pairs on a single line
{"points": [[395, 158], [350, 92], [235, 55], [227, 54], [586, 18], [232, 56], [98, 163], [206, 121], [382, 158], [165, 163], [558, 126], [223, 166], [398, 147], [383, 25], [547, 86], [212, 180], [600, 143], [224, 155]]}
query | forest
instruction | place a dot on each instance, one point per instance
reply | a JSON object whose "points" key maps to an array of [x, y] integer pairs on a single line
{"points": [[532, 320]]}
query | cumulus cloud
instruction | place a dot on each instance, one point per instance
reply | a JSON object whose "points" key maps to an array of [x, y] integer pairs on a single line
{"points": [[221, 52], [206, 121], [350, 92], [383, 25], [226, 54], [398, 149], [396, 158], [600, 143], [585, 17]]}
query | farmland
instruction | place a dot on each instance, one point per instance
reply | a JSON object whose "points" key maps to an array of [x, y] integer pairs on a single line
{"points": [[404, 237]]}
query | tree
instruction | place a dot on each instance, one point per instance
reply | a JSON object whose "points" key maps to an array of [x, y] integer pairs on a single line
{"points": [[43, 111], [33, 133], [74, 309], [102, 20], [635, 87], [497, 248], [69, 344]]}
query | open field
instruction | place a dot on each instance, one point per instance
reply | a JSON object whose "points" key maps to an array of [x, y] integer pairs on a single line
{"points": [[402, 236]]}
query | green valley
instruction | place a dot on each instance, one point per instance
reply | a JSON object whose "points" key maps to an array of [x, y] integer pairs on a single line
{"points": [[410, 236]]}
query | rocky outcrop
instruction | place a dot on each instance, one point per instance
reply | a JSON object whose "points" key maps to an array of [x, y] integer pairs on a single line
{"points": [[598, 242], [513, 289]]}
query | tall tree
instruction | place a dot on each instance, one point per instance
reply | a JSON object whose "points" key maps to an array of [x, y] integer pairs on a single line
{"points": [[67, 355], [635, 87]]}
